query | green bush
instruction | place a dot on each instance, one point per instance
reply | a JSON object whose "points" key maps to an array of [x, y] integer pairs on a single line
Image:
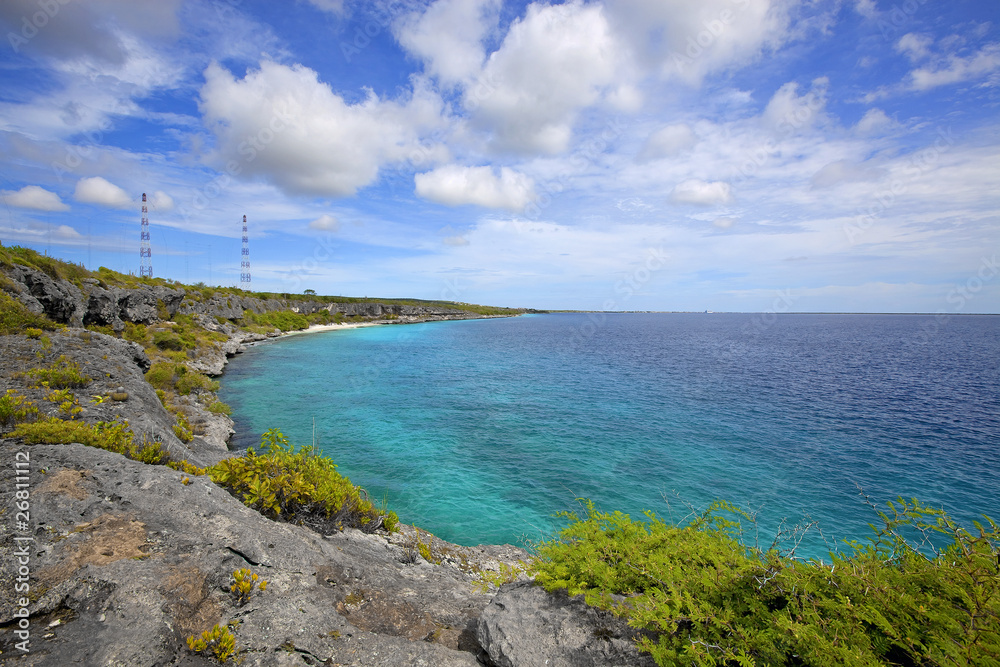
{"points": [[61, 374], [296, 486], [15, 317], [167, 340], [218, 643], [161, 375], [197, 382], [706, 598], [135, 333], [111, 436], [15, 409], [285, 320], [219, 408]]}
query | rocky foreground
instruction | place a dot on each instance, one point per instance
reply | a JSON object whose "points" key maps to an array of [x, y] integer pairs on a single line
{"points": [[120, 562]]}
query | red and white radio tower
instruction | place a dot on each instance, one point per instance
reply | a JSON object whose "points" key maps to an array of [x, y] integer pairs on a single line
{"points": [[145, 253], [245, 264]]}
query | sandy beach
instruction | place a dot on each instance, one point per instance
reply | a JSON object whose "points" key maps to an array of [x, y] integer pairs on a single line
{"points": [[316, 328]]}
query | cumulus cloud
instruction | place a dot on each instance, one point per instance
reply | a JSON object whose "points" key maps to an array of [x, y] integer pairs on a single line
{"points": [[789, 112], [160, 201], [282, 124], [325, 223], [98, 191], [67, 233], [689, 40], [701, 193], [873, 121], [553, 62], [448, 37], [455, 185], [667, 142], [915, 47], [33, 196], [91, 30]]}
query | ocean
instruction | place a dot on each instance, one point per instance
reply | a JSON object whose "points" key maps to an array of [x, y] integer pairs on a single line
{"points": [[481, 431]]}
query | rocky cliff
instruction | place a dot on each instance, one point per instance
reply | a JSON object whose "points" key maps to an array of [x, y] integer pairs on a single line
{"points": [[116, 562]]}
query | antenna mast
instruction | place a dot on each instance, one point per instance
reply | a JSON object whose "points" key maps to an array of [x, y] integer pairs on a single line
{"points": [[245, 264], [145, 253]]}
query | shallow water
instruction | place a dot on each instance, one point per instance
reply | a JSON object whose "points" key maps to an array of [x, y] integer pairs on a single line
{"points": [[480, 431]]}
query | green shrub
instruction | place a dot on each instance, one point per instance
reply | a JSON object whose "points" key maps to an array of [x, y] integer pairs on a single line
{"points": [[285, 320], [219, 408], [167, 340], [708, 599], [183, 430], [61, 374], [15, 317], [111, 436], [31, 332], [15, 409], [298, 486], [243, 584], [161, 375], [103, 329], [135, 333], [218, 643], [192, 381]]}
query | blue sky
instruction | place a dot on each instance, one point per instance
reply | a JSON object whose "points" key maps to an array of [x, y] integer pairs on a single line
{"points": [[730, 155]]}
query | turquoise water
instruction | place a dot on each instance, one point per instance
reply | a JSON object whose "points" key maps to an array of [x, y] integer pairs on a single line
{"points": [[480, 431]]}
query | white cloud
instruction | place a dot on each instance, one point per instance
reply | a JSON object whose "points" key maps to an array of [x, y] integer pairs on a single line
{"points": [[455, 185], [668, 141], [842, 171], [695, 191], [33, 196], [790, 113], [689, 40], [326, 223], [456, 241], [954, 69], [97, 190], [915, 47], [873, 121], [160, 201], [281, 123], [553, 62], [448, 36], [332, 6], [866, 8], [67, 233]]}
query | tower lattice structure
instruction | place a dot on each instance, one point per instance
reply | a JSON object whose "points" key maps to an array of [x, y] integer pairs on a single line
{"points": [[245, 263], [145, 252]]}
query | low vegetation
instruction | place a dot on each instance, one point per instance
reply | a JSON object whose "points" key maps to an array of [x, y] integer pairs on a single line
{"points": [[218, 643], [921, 591], [15, 317], [243, 585], [111, 436], [61, 374], [300, 487]]}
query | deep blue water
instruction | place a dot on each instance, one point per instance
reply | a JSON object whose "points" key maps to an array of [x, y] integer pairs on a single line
{"points": [[480, 431]]}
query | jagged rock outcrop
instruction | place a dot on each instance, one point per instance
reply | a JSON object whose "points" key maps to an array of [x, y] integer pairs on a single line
{"points": [[60, 300], [110, 363], [128, 560]]}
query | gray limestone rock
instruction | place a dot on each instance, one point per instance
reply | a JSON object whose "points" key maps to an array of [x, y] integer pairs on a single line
{"points": [[128, 560], [525, 626]]}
